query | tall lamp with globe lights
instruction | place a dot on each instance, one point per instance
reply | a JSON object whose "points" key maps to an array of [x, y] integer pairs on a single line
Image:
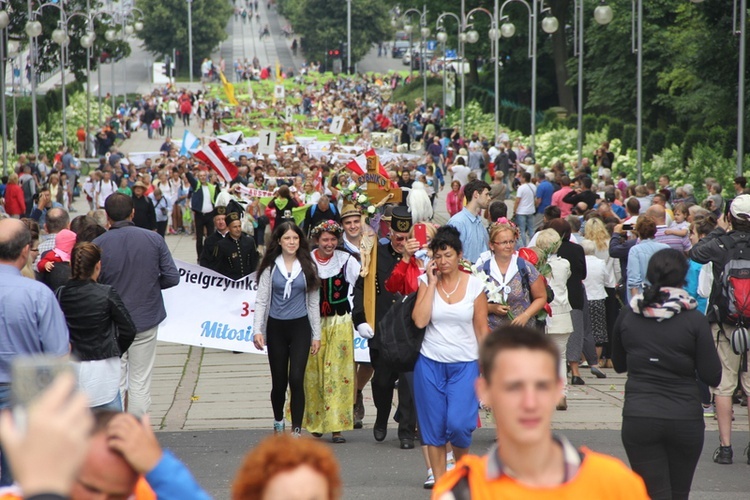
{"points": [[549, 26], [424, 32], [442, 37], [602, 15], [472, 36], [4, 23], [62, 39]]}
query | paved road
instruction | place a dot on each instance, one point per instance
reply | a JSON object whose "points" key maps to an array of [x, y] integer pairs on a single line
{"points": [[383, 471]]}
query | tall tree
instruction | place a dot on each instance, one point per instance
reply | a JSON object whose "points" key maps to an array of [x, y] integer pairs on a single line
{"points": [[322, 25], [166, 28]]}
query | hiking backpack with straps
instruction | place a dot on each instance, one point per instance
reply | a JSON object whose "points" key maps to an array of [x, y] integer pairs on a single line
{"points": [[733, 302]]}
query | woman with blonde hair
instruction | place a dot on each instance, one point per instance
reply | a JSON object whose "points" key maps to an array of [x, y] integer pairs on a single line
{"points": [[596, 231], [15, 204]]}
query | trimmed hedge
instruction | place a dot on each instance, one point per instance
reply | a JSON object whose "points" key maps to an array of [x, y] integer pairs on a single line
{"points": [[656, 143], [693, 137]]}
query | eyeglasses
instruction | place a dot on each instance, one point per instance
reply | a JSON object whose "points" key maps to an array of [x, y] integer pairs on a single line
{"points": [[399, 238], [504, 243]]}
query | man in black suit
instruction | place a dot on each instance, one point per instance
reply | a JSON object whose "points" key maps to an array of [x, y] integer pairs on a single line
{"points": [[385, 376]]}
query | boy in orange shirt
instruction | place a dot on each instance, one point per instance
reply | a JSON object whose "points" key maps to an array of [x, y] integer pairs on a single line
{"points": [[521, 382]]}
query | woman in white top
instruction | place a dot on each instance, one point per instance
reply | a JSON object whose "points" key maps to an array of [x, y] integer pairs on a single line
{"points": [[452, 306], [594, 283], [559, 324]]}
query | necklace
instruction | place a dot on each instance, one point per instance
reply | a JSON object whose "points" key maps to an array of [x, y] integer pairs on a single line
{"points": [[448, 295], [322, 261]]}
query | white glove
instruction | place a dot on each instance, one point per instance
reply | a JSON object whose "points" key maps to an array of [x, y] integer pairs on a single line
{"points": [[365, 331]]}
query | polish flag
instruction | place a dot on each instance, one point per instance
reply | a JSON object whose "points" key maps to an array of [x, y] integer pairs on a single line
{"points": [[359, 164], [212, 156]]}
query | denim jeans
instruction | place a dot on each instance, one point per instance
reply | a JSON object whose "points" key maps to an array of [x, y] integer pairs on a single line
{"points": [[526, 227], [114, 405]]}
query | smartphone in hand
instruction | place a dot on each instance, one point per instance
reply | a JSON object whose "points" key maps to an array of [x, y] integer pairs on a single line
{"points": [[420, 234]]}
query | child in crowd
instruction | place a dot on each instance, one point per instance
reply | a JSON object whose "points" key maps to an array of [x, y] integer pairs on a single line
{"points": [[65, 240], [680, 226], [124, 187]]}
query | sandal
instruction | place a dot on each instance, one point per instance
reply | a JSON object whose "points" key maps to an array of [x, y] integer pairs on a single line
{"points": [[338, 439], [316, 434]]}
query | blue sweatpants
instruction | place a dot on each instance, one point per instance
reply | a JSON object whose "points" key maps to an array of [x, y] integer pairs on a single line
{"points": [[447, 405]]}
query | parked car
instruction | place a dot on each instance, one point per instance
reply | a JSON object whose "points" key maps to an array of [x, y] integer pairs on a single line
{"points": [[399, 48]]}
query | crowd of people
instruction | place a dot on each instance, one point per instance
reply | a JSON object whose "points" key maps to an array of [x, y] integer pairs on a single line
{"points": [[564, 266]]}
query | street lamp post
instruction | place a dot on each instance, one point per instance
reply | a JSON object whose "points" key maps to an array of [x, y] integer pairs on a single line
{"points": [[602, 15], [33, 29], [442, 37], [4, 22], [348, 37], [472, 37], [190, 38], [424, 32], [549, 26], [637, 12]]}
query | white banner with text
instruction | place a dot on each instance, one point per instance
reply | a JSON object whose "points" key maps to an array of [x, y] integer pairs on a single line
{"points": [[207, 309]]}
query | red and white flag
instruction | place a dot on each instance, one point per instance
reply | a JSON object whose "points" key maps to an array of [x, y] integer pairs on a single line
{"points": [[213, 156], [359, 164]]}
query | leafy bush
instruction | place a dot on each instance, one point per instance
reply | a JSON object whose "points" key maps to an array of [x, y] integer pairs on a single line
{"points": [[550, 120], [572, 121], [522, 121], [506, 115], [692, 138], [655, 143], [589, 124], [602, 122], [628, 137], [675, 136], [615, 129], [24, 134]]}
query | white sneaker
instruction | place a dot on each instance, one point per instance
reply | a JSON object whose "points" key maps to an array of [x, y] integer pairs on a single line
{"points": [[430, 482], [278, 427], [296, 432], [451, 464]]}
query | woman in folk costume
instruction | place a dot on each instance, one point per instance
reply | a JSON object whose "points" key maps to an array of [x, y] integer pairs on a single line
{"points": [[330, 379]]}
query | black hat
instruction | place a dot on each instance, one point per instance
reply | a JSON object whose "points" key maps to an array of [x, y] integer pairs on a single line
{"points": [[401, 219], [233, 216], [219, 211]]}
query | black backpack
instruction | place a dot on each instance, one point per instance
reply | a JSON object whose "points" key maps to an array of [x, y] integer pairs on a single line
{"points": [[400, 339]]}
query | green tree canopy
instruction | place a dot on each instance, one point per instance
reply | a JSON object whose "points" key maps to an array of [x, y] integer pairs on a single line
{"points": [[322, 25], [166, 28]]}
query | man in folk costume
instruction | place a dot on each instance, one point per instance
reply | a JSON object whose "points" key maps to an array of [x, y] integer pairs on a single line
{"points": [[354, 237], [371, 303]]}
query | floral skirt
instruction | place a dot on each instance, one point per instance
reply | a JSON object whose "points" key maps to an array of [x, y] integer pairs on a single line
{"points": [[330, 379], [598, 315]]}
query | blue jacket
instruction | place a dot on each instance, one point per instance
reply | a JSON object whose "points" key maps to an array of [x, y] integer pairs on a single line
{"points": [[138, 264], [171, 480]]}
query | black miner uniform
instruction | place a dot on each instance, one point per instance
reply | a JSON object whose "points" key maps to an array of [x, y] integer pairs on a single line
{"points": [[385, 376], [236, 257], [210, 252]]}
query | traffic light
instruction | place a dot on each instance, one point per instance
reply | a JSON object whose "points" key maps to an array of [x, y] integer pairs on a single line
{"points": [[334, 53], [168, 68]]}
